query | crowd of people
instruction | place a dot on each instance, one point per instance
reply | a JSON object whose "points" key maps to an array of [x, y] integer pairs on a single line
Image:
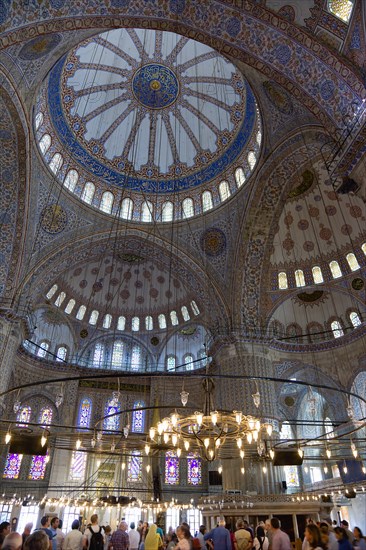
{"points": [[268, 535]]}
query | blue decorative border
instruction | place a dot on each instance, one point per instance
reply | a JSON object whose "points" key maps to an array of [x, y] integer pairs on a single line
{"points": [[99, 170]]}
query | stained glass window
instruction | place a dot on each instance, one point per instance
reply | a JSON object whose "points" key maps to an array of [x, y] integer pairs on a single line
{"points": [[207, 203], [38, 467], [149, 324], [282, 280], [224, 191], [70, 306], [239, 176], [134, 467], [85, 413], [352, 261], [135, 324], [12, 466], [355, 319], [188, 208], [292, 476], [45, 143], [71, 180], [126, 209], [45, 417], [61, 353], [162, 320], [51, 291], [146, 211], [56, 163], [88, 192], [251, 159], [194, 470], [317, 275], [335, 269], [107, 321], [195, 308], [98, 355], [174, 318], [341, 8], [117, 354], [136, 358], [23, 416], [78, 465], [337, 329], [81, 312], [112, 407], [185, 313], [94, 317], [121, 323], [38, 120], [299, 278], [138, 417], [167, 212], [171, 468], [170, 362], [60, 298], [106, 203], [188, 361]]}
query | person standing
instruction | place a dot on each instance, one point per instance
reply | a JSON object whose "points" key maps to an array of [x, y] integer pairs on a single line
{"points": [[119, 539], [93, 535], [134, 537], [242, 536], [343, 540], [26, 532], [53, 528], [358, 541], [345, 525], [260, 541], [313, 536], [220, 536], [74, 539], [184, 538], [45, 526], [153, 539], [200, 536], [12, 541], [280, 539]]}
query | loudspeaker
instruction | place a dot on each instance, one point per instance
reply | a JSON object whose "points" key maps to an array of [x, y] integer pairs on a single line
{"points": [[124, 500], [284, 485], [287, 458], [214, 478], [350, 493], [326, 498], [27, 445]]}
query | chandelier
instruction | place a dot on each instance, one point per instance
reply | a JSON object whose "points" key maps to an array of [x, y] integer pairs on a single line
{"points": [[211, 433]]}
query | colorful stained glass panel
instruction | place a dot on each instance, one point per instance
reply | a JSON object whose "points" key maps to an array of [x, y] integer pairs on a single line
{"points": [[78, 465], [12, 466], [171, 468], [85, 413], [194, 470], [38, 467], [134, 467], [292, 476], [45, 418], [138, 417], [111, 423], [23, 416]]}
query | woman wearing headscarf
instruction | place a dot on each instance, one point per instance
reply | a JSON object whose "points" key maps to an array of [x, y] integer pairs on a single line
{"points": [[153, 539]]}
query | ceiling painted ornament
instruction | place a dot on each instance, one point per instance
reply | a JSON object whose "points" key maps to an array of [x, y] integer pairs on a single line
{"points": [[151, 111], [53, 219]]}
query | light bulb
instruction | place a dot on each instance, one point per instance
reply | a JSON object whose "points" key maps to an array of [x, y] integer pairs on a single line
{"points": [[211, 454], [269, 429], [174, 439], [123, 465], [355, 453], [249, 437], [300, 452], [364, 469], [99, 436], [256, 399], [166, 438], [264, 469], [271, 454], [238, 416], [345, 469], [218, 442], [147, 449], [328, 453], [148, 468], [47, 459], [258, 425], [152, 433], [306, 469], [160, 428], [165, 423], [186, 445], [219, 469], [43, 441], [239, 442], [325, 469], [7, 437], [93, 442], [242, 470], [78, 444], [214, 416], [206, 442], [251, 423], [179, 452], [199, 418], [255, 435], [174, 419], [242, 454]]}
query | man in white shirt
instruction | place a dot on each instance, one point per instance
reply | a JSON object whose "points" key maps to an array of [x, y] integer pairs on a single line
{"points": [[73, 539], [134, 537]]}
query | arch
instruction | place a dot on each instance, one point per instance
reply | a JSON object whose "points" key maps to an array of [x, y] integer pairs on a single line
{"points": [[352, 261], [147, 212], [107, 320], [335, 269], [207, 203], [71, 180], [70, 306], [106, 203], [224, 191], [45, 417], [45, 143], [56, 163], [188, 208], [88, 192], [167, 212], [126, 209], [61, 353], [317, 274], [282, 280], [239, 176]]}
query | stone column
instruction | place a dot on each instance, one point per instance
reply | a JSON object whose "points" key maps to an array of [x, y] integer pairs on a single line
{"points": [[10, 338]]}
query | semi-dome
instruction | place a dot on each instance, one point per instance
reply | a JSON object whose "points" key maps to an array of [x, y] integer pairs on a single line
{"points": [[148, 115]]}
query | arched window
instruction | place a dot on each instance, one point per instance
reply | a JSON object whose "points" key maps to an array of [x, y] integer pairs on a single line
{"points": [[43, 348], [51, 292], [45, 143], [185, 313], [299, 278], [138, 417], [81, 312], [146, 212], [188, 208], [126, 209], [286, 432], [167, 212], [12, 466], [341, 9], [71, 180], [38, 120], [135, 324], [317, 275], [98, 356], [251, 159], [78, 466], [355, 319], [282, 280], [136, 358], [174, 318], [70, 306], [162, 320], [37, 468], [111, 410], [88, 192], [121, 323], [85, 413], [61, 353], [60, 298], [170, 363], [117, 354], [107, 321], [149, 324], [224, 191], [363, 248], [171, 468], [45, 417], [194, 307], [23, 416], [337, 329], [106, 203], [328, 428], [202, 355], [134, 466], [207, 203], [335, 269], [94, 317], [188, 361], [352, 261], [194, 469], [239, 176], [56, 163]]}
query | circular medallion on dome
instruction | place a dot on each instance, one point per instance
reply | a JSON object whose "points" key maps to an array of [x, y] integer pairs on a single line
{"points": [[155, 86]]}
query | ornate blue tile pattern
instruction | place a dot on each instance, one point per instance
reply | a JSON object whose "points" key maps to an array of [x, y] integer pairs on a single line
{"points": [[155, 86]]}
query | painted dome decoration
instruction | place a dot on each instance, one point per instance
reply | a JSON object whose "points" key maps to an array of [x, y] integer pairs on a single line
{"points": [[150, 112]]}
